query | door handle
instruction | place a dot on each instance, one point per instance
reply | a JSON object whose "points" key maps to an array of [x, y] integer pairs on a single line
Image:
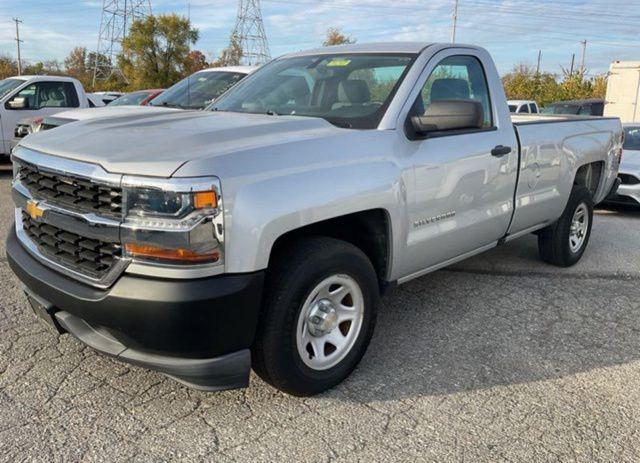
{"points": [[500, 151]]}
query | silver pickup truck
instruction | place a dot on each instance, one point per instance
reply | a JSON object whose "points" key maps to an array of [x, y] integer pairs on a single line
{"points": [[262, 233]]}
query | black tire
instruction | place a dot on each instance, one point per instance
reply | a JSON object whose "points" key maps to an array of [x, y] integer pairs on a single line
{"points": [[291, 278], [553, 241]]}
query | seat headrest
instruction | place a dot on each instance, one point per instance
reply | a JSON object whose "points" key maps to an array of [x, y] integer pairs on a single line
{"points": [[354, 91], [297, 87], [450, 89]]}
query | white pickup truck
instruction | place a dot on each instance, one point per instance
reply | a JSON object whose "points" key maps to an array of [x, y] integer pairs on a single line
{"points": [[27, 97], [262, 233]]}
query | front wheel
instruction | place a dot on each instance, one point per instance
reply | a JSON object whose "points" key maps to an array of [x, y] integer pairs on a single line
{"points": [[564, 242], [318, 316]]}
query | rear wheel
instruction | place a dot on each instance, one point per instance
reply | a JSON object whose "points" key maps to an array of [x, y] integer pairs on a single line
{"points": [[318, 317], [564, 242]]}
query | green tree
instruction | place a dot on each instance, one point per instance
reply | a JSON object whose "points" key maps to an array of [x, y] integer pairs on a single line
{"points": [[48, 67], [336, 37], [155, 52]]}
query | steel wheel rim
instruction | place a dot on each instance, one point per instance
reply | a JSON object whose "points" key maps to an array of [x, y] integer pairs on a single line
{"points": [[320, 350], [579, 228]]}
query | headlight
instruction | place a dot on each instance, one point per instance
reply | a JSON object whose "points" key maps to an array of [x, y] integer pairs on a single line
{"points": [[173, 221]]}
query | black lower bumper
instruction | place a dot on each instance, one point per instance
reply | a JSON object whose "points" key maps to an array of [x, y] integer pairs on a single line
{"points": [[198, 331]]}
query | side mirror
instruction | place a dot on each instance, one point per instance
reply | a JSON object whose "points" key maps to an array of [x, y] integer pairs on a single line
{"points": [[19, 103], [449, 115]]}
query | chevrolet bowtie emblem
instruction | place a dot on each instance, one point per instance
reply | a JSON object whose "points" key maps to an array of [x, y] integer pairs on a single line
{"points": [[33, 210]]}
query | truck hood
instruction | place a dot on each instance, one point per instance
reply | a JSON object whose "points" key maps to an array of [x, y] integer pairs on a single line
{"points": [[110, 111], [159, 144]]}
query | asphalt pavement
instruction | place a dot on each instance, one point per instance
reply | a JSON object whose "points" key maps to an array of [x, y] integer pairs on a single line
{"points": [[499, 358]]}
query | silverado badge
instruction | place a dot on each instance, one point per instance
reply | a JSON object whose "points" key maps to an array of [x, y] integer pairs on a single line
{"points": [[33, 210]]}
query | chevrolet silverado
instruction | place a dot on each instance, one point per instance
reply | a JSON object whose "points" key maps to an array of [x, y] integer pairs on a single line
{"points": [[262, 233]]}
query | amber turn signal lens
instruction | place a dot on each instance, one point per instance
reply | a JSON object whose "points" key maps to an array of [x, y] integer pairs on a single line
{"points": [[205, 200], [184, 255]]}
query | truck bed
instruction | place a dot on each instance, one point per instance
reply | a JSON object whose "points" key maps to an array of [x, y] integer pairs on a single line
{"points": [[527, 119], [552, 149]]}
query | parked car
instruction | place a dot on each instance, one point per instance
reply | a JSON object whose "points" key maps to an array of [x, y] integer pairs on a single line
{"points": [[139, 98], [623, 91], [26, 97], [262, 233], [589, 107], [108, 97], [198, 90], [629, 189], [194, 92], [31, 125], [523, 107]]}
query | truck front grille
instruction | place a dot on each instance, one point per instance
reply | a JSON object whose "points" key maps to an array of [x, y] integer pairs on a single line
{"points": [[72, 193], [86, 256]]}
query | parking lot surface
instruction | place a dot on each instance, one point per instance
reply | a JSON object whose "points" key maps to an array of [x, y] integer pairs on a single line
{"points": [[500, 358]]}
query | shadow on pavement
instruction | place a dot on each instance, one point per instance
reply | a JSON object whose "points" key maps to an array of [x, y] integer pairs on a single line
{"points": [[621, 210], [5, 166], [455, 331]]}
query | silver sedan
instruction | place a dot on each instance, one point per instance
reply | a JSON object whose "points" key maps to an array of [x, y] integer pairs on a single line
{"points": [[629, 174]]}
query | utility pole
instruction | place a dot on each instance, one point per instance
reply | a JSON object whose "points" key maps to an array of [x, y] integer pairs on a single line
{"points": [[455, 22], [573, 61], [18, 42], [584, 52], [539, 59]]}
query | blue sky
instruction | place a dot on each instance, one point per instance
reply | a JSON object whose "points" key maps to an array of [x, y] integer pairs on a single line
{"points": [[513, 30]]}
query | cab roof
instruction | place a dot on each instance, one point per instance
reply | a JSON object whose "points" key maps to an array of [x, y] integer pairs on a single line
{"points": [[375, 47]]}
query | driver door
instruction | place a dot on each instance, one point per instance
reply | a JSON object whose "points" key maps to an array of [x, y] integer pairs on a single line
{"points": [[462, 200]]}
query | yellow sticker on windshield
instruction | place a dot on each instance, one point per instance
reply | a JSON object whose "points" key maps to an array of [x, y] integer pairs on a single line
{"points": [[339, 63]]}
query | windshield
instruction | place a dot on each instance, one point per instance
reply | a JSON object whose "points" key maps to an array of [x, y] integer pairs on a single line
{"points": [[7, 85], [512, 108], [561, 109], [632, 138], [351, 91], [198, 90], [131, 99]]}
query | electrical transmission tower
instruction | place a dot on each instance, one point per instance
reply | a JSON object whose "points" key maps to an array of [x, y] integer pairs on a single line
{"points": [[117, 16], [249, 33]]}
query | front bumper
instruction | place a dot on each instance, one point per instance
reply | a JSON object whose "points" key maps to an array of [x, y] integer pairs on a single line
{"points": [[627, 193], [197, 331]]}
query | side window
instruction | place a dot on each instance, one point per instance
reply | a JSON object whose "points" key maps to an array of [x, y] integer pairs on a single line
{"points": [[534, 108], [585, 110], [524, 108], [49, 95], [457, 78]]}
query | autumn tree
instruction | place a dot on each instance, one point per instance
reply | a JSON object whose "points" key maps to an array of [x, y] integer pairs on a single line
{"points": [[48, 67], [336, 37], [196, 61], [155, 51], [8, 67], [230, 56]]}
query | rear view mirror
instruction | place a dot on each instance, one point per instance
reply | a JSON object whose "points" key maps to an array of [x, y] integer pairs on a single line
{"points": [[19, 103], [445, 115]]}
